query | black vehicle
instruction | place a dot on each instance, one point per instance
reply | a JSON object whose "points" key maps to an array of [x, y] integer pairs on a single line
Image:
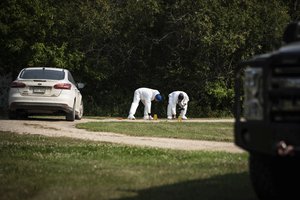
{"points": [[267, 118]]}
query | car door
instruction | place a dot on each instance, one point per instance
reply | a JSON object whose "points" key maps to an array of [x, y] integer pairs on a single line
{"points": [[78, 96]]}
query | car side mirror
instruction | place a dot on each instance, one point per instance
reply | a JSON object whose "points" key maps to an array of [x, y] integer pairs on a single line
{"points": [[80, 85], [292, 33]]}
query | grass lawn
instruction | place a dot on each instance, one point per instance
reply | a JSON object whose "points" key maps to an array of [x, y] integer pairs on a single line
{"points": [[37, 167], [221, 131]]}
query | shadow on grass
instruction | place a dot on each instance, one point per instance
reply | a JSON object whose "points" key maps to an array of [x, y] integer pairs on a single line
{"points": [[226, 187], [38, 118], [45, 117]]}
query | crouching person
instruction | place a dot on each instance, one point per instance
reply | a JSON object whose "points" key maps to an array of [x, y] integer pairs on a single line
{"points": [[181, 99]]}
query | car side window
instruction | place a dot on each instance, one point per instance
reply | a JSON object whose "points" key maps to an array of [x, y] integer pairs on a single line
{"points": [[71, 79]]}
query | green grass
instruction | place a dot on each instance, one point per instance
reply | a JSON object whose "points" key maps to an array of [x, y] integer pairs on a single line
{"points": [[37, 167], [221, 131]]}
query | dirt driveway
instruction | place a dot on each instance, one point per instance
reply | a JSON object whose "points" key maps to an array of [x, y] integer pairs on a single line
{"points": [[62, 128]]}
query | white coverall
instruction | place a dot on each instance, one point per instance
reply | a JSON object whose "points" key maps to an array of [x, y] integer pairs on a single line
{"points": [[145, 95], [173, 101]]}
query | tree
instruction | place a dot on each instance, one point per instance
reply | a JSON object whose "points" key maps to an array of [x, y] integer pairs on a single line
{"points": [[118, 46]]}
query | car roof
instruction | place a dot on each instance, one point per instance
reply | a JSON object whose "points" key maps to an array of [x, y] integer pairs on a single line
{"points": [[48, 68]]}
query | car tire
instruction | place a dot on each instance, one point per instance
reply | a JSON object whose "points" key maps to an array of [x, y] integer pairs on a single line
{"points": [[80, 113], [70, 116], [274, 177]]}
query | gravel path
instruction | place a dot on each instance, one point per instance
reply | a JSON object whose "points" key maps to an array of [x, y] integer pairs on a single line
{"points": [[62, 128]]}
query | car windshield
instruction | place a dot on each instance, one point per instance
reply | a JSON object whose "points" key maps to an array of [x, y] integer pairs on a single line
{"points": [[42, 74]]}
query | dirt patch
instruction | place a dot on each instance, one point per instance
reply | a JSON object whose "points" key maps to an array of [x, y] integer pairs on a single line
{"points": [[62, 128]]}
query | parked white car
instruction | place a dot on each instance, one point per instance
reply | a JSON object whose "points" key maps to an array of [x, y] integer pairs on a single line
{"points": [[45, 90]]}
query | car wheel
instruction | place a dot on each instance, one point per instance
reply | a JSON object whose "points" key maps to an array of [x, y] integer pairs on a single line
{"points": [[274, 177], [80, 113], [71, 115]]}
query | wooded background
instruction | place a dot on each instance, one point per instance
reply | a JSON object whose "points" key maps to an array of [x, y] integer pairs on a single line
{"points": [[117, 46]]}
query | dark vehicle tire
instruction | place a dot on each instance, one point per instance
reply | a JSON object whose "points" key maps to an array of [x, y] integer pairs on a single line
{"points": [[274, 177], [80, 113], [70, 116]]}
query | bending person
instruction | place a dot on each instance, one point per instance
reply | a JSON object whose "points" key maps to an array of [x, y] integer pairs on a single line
{"points": [[145, 95]]}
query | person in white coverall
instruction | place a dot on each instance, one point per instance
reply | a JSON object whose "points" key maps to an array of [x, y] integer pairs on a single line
{"points": [[145, 95], [181, 99]]}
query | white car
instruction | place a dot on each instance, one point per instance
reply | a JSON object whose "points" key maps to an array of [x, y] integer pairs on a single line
{"points": [[45, 90]]}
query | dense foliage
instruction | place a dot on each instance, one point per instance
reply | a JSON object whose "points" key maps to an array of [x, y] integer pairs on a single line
{"points": [[116, 46]]}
